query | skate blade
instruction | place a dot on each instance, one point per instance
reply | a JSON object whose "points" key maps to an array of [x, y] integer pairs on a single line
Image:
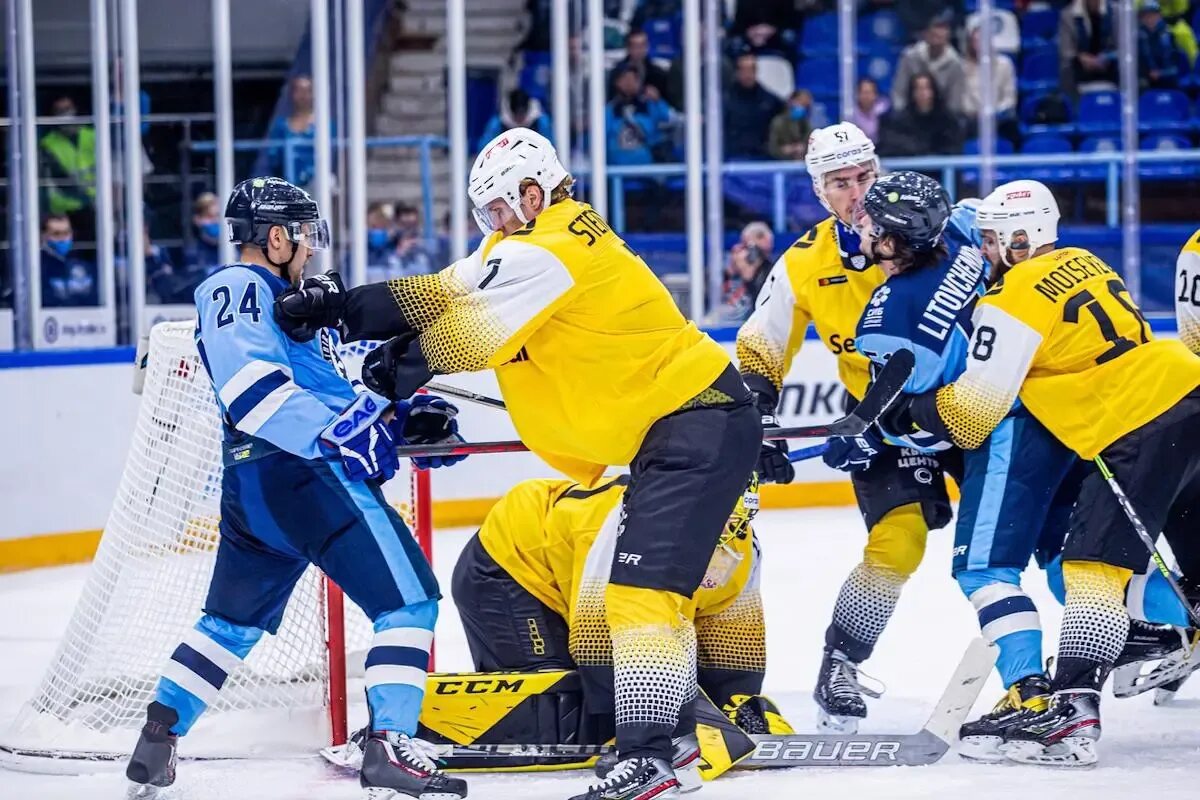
{"points": [[1163, 697], [984, 749], [1073, 752], [1129, 681], [842, 726], [380, 793]]}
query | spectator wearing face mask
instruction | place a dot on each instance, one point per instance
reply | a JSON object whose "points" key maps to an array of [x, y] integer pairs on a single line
{"points": [[68, 165], [208, 229], [66, 280], [787, 138], [379, 241]]}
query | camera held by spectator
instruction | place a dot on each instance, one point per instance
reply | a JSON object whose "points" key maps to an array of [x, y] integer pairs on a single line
{"points": [[745, 273]]}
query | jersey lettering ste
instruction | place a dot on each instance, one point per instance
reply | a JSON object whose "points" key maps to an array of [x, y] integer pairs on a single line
{"points": [[1062, 332]]}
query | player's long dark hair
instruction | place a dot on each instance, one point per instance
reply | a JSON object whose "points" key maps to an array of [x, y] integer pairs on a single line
{"points": [[906, 258]]}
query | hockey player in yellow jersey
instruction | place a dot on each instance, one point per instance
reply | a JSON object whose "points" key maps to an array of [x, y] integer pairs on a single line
{"points": [[598, 368], [1061, 333], [825, 279], [529, 588], [1187, 299]]}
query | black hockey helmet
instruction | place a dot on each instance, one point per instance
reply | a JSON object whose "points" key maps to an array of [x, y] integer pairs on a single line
{"points": [[911, 206], [259, 204]]}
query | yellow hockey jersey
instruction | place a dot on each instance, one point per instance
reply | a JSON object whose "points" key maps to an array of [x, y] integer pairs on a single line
{"points": [[588, 346], [1062, 332], [1187, 298], [556, 538], [816, 281]]}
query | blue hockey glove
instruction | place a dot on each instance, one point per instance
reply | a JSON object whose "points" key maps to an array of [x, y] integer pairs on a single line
{"points": [[426, 419], [853, 453], [363, 440]]}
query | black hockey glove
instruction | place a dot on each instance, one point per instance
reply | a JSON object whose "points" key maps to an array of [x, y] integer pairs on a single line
{"points": [[397, 368], [316, 303], [773, 465]]}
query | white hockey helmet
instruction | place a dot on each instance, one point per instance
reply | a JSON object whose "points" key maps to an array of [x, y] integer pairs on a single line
{"points": [[1019, 207], [835, 147], [507, 161]]}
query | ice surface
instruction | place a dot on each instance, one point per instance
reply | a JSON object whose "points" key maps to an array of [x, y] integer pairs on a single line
{"points": [[807, 554]]}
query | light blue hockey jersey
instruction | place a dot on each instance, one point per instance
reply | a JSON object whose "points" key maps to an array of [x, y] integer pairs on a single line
{"points": [[268, 387], [928, 311]]}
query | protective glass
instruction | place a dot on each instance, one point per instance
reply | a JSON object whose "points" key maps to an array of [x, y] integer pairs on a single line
{"points": [[313, 234]]}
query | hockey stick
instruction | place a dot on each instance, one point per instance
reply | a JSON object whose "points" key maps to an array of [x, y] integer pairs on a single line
{"points": [[887, 386], [926, 746], [1140, 529], [463, 394], [805, 453]]}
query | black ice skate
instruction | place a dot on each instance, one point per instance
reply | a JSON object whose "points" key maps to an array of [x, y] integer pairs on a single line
{"points": [[152, 765], [685, 761], [1064, 735], [980, 740], [395, 766], [839, 694], [638, 778], [1166, 650]]}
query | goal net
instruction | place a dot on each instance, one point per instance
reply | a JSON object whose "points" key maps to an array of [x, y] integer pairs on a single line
{"points": [[148, 583]]}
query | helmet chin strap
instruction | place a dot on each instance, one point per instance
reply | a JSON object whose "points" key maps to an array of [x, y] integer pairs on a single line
{"points": [[282, 266]]}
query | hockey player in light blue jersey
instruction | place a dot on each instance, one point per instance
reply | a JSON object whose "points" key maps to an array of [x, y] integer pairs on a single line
{"points": [[305, 453], [1015, 489]]}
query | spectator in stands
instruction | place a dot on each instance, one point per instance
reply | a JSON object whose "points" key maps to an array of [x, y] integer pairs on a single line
{"points": [[636, 122], [380, 243], [68, 167], [748, 109], [1176, 13], [1004, 79], [764, 26], [788, 134], [935, 56], [1158, 58], [924, 126], [208, 230], [869, 108], [517, 110], [1087, 46], [637, 55], [298, 127], [745, 273], [164, 282], [66, 280], [915, 14]]}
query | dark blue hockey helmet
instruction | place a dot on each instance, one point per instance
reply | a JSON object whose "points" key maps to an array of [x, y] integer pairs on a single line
{"points": [[259, 204], [911, 206]]}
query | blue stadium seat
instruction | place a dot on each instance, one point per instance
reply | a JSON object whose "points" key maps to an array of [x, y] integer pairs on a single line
{"points": [[1164, 111], [879, 30], [1168, 170], [1038, 26], [1007, 5], [1027, 115], [879, 67], [820, 36], [664, 36], [1099, 113], [1039, 70], [1003, 147], [818, 75], [1044, 143]]}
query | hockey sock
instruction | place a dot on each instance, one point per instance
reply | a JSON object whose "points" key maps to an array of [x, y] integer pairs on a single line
{"points": [[865, 603], [199, 666], [397, 664], [1095, 624], [1007, 618], [654, 667], [1150, 598]]}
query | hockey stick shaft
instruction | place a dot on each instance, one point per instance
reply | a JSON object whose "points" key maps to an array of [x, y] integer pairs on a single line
{"points": [[517, 446], [463, 394], [1142, 533], [805, 453]]}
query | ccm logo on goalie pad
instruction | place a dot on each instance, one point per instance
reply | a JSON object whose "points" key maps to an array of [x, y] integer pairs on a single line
{"points": [[480, 686], [827, 750]]}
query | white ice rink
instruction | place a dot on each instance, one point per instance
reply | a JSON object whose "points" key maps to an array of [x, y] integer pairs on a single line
{"points": [[1146, 750]]}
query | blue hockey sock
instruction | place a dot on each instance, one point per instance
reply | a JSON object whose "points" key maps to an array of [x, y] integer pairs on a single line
{"points": [[1149, 597], [199, 666], [1008, 618], [397, 664]]}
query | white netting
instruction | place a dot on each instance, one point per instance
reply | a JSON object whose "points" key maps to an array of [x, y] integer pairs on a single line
{"points": [[147, 586]]}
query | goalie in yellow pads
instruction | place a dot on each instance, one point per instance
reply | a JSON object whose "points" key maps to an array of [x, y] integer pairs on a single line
{"points": [[529, 588]]}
